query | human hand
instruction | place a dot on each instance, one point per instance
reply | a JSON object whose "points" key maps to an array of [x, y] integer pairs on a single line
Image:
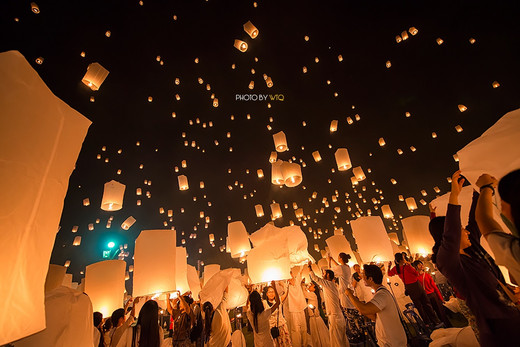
{"points": [[486, 179], [456, 183], [432, 208]]}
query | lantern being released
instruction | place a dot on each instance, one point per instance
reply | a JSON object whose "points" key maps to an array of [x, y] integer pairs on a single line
{"points": [[238, 239], [417, 234], [95, 76], [339, 244], [183, 182], [105, 285], [372, 240], [268, 262], [342, 159], [151, 266], [209, 271], [113, 196], [280, 142], [181, 268], [251, 30]]}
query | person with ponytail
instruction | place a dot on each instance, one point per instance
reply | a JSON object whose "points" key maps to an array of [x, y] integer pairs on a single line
{"points": [[259, 316], [318, 330], [344, 275], [217, 326], [413, 288]]}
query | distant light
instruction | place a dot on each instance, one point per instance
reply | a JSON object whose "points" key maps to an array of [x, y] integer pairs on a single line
{"points": [[111, 244]]}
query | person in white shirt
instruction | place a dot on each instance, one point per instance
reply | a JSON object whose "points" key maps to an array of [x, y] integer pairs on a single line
{"points": [[259, 316], [217, 326], [318, 330], [296, 305], [277, 318], [337, 324], [344, 274], [382, 308], [121, 326]]}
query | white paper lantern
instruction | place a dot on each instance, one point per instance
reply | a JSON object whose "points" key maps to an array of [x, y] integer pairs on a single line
{"points": [[372, 239], [411, 204], [105, 285], [393, 237], [238, 239], [240, 45], [95, 76], [181, 268], [237, 294], [339, 244], [128, 223], [259, 211], [316, 155], [251, 30], [209, 271], [183, 182], [387, 212], [193, 281], [276, 173], [333, 126], [113, 196], [358, 173], [154, 265], [292, 174], [268, 262], [417, 234], [41, 138], [276, 210], [77, 241], [342, 159], [280, 142]]}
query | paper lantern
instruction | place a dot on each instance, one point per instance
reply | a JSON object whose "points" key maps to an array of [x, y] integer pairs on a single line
{"points": [[95, 76], [113, 196], [354, 181], [193, 281], [495, 84], [292, 174], [372, 239], [77, 241], [358, 172], [259, 211], [240, 45], [342, 159], [268, 263], [280, 142], [417, 235], [462, 108], [393, 237], [237, 294], [105, 285], [260, 173], [269, 82], [128, 223], [382, 142], [238, 239], [387, 212], [411, 204], [181, 268], [413, 31], [183, 182], [37, 161], [153, 269], [333, 126], [276, 210], [209, 271], [251, 30], [339, 244], [316, 155], [276, 173]]}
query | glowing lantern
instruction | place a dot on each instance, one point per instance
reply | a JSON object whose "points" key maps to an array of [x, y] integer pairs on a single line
{"points": [[495, 84], [292, 174], [372, 239], [260, 173], [417, 235], [86, 202], [237, 295], [276, 210], [77, 241], [238, 239], [316, 155], [354, 181], [128, 223], [193, 281], [339, 244], [398, 39], [333, 126], [393, 237], [183, 182], [95, 76], [388, 64], [411, 204], [153, 271], [280, 142], [259, 211], [240, 45], [458, 128], [382, 142], [105, 285], [276, 173], [269, 82], [413, 31], [113, 196], [209, 271], [268, 262], [37, 161], [440, 41], [342, 159], [251, 30], [462, 108], [34, 8], [387, 212], [181, 267], [358, 172], [404, 35]]}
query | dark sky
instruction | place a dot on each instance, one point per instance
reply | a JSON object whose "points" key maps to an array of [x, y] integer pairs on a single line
{"points": [[426, 79]]}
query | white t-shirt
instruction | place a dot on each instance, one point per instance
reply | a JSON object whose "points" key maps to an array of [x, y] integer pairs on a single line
{"points": [[330, 295], [389, 330], [344, 275], [295, 298], [220, 326], [506, 249], [263, 338]]}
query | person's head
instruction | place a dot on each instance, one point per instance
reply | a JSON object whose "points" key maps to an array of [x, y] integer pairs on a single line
{"points": [[357, 268], [108, 324], [418, 265], [149, 325], [207, 309], [118, 317], [269, 293], [509, 191], [343, 258], [329, 275], [98, 319], [399, 259], [372, 275]]}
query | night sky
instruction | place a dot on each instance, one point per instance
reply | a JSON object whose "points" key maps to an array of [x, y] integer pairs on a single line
{"points": [[426, 79]]}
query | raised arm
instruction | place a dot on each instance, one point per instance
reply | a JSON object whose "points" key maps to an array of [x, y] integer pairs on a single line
{"points": [[367, 309], [472, 227], [484, 211], [331, 260], [276, 298]]}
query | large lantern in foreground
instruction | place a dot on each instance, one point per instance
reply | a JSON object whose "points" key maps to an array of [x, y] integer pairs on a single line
{"points": [[181, 268], [339, 244], [238, 239], [105, 285], [113, 196], [372, 240], [268, 262], [417, 234]]}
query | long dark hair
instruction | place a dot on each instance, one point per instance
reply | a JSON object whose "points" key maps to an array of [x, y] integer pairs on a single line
{"points": [[148, 326], [509, 190], [398, 257], [318, 296], [256, 306], [98, 319], [208, 319]]}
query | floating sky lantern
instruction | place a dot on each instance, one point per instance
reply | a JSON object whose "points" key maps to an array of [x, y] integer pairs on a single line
{"points": [[128, 223], [292, 174], [417, 235], [183, 182], [411, 204], [259, 211], [113, 196], [372, 239], [105, 285], [280, 142], [95, 76], [333, 126], [276, 210], [251, 30], [342, 159], [276, 173], [240, 45], [387, 212], [238, 239], [358, 172]]}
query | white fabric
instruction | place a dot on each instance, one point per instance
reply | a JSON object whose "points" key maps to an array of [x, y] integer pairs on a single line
{"points": [[97, 337], [344, 275], [389, 330], [220, 326], [295, 298], [277, 317], [238, 294], [263, 337], [69, 321], [297, 328], [319, 336], [330, 295], [213, 290], [40, 139], [506, 249], [338, 331], [494, 152], [238, 339], [458, 337]]}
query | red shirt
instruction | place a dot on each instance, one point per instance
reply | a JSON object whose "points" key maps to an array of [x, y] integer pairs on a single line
{"points": [[429, 285], [407, 274]]}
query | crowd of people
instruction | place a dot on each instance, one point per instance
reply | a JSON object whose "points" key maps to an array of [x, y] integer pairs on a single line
{"points": [[312, 310]]}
